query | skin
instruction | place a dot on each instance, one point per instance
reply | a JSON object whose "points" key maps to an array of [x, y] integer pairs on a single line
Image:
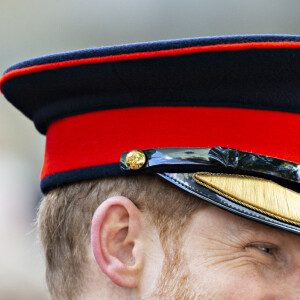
{"points": [[241, 259], [220, 256]]}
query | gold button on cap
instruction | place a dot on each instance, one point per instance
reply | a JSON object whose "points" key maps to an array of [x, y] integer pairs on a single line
{"points": [[135, 159]]}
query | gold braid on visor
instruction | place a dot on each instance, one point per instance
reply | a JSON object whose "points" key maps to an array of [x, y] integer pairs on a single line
{"points": [[256, 193]]}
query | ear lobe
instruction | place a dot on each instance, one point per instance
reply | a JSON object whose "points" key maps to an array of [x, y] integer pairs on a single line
{"points": [[116, 234]]}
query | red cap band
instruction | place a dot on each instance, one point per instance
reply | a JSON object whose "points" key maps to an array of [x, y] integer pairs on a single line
{"points": [[99, 138]]}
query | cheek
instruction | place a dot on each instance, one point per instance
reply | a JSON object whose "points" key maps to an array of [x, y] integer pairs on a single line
{"points": [[226, 282]]}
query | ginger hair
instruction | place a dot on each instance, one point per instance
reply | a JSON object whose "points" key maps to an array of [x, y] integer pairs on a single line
{"points": [[66, 213]]}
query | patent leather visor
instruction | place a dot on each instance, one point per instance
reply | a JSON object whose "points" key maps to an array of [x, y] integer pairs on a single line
{"points": [[261, 188]]}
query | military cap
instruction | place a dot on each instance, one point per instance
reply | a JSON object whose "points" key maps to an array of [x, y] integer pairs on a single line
{"points": [[191, 111]]}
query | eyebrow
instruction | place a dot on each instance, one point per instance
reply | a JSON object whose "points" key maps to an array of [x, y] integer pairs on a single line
{"points": [[246, 225]]}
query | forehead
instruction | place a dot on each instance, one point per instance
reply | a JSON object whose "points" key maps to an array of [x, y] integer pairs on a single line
{"points": [[212, 219], [213, 224]]}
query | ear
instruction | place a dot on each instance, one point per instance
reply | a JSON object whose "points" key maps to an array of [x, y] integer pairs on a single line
{"points": [[116, 240]]}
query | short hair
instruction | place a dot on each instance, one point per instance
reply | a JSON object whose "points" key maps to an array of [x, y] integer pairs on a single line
{"points": [[66, 213]]}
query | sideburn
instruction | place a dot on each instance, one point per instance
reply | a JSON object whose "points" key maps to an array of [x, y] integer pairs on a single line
{"points": [[174, 282]]}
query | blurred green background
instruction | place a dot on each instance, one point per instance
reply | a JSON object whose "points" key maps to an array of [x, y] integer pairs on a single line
{"points": [[30, 28]]}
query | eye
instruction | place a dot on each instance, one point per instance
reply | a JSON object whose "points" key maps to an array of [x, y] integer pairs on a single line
{"points": [[265, 248]]}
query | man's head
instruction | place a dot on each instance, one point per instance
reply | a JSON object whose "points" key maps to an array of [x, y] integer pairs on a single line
{"points": [[217, 117], [141, 238]]}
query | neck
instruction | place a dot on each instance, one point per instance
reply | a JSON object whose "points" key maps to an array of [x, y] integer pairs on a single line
{"points": [[98, 286]]}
